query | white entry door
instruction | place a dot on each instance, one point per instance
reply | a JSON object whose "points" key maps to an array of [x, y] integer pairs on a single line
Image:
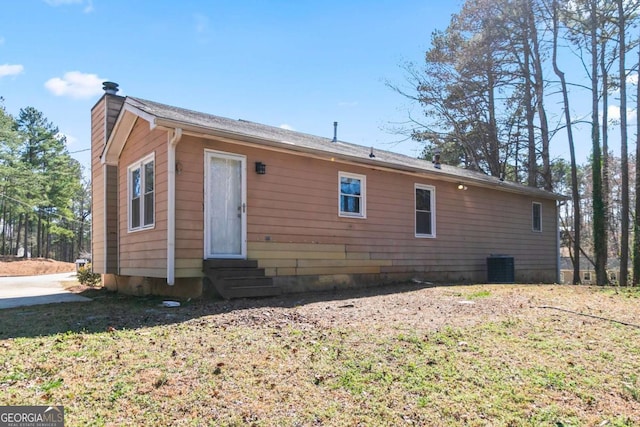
{"points": [[225, 205]]}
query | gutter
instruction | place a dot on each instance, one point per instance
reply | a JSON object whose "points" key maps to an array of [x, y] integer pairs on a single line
{"points": [[174, 139]]}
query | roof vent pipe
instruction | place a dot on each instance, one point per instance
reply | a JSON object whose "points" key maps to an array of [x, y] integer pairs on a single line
{"points": [[436, 158], [110, 87], [335, 132]]}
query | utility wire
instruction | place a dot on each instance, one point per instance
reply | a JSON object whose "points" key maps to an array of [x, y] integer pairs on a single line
{"points": [[50, 213], [590, 315]]}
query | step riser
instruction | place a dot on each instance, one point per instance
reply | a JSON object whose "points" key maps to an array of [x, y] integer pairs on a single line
{"points": [[236, 272], [229, 263], [252, 293], [239, 279], [246, 282]]}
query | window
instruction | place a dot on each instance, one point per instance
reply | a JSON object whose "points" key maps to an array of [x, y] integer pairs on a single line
{"points": [[141, 194], [352, 195], [425, 211], [536, 217]]}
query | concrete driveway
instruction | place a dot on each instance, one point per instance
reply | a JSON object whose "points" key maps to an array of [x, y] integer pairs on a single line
{"points": [[34, 290]]}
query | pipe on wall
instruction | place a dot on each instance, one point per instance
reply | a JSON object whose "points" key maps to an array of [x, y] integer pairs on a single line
{"points": [[174, 139]]}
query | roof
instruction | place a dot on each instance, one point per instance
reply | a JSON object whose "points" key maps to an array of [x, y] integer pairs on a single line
{"points": [[585, 265], [269, 136]]}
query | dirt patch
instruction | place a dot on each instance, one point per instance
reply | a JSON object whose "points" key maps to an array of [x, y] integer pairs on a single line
{"points": [[12, 266], [411, 308]]}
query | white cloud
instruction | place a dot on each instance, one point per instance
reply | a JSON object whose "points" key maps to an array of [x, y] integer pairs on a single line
{"points": [[613, 113], [286, 126], [632, 79], [70, 140], [88, 4], [61, 2], [75, 85], [10, 70]]}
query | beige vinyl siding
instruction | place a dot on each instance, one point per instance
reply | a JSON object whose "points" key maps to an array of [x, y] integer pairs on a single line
{"points": [[144, 252], [189, 208], [296, 203]]}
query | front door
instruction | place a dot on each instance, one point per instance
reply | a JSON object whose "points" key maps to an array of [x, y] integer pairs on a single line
{"points": [[225, 205]]}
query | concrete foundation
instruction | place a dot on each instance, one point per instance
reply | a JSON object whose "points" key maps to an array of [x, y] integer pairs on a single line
{"points": [[134, 285]]}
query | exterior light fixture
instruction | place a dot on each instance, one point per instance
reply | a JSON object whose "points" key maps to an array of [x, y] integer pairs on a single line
{"points": [[261, 168], [461, 186]]}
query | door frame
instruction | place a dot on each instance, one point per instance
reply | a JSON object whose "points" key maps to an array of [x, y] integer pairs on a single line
{"points": [[208, 155]]}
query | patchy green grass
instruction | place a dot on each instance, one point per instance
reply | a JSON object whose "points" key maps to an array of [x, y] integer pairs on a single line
{"points": [[628, 292], [127, 361], [483, 293]]}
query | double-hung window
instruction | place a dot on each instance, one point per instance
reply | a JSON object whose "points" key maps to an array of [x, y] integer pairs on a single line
{"points": [[352, 195], [141, 183], [536, 216], [425, 210]]}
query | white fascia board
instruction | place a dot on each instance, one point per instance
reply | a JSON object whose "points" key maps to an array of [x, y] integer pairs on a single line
{"points": [[121, 131]]}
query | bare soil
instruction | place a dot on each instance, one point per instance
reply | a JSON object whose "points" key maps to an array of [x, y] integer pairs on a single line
{"points": [[12, 266]]}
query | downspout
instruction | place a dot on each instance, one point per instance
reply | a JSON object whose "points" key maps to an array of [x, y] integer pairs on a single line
{"points": [[558, 258], [174, 139]]}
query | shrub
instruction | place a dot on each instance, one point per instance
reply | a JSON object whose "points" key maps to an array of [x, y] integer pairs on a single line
{"points": [[87, 277]]}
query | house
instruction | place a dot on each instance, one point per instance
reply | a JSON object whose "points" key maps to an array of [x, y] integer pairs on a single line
{"points": [[185, 202], [587, 270]]}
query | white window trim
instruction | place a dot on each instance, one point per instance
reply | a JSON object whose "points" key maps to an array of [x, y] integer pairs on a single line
{"points": [[363, 195], [533, 228], [140, 164], [432, 189]]}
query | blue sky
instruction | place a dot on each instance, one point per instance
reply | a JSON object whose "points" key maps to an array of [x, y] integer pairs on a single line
{"points": [[299, 64], [296, 64]]}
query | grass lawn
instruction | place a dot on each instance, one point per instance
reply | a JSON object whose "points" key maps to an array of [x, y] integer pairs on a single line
{"points": [[498, 355]]}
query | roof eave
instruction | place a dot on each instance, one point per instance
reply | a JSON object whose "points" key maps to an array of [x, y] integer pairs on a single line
{"points": [[121, 131], [196, 130]]}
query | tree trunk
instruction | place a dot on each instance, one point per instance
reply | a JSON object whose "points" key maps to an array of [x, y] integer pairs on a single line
{"points": [[81, 229], [624, 159], [18, 234], [539, 88], [528, 100], [46, 237], [636, 222], [26, 236], [11, 226], [606, 197], [494, 154], [598, 208], [39, 233], [574, 168], [4, 226]]}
